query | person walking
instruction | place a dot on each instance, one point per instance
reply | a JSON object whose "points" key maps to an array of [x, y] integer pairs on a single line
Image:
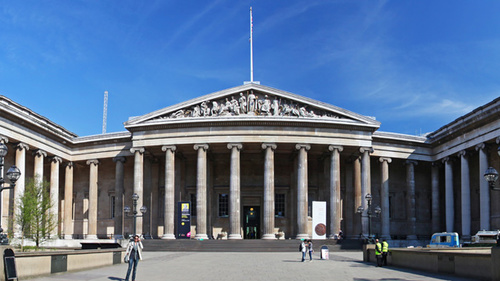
{"points": [[134, 254], [378, 252], [385, 250], [303, 249], [310, 248]]}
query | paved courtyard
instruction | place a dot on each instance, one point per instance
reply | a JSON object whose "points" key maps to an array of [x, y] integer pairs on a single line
{"points": [[250, 266]]}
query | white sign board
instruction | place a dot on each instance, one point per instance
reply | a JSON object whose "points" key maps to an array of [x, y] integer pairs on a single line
{"points": [[319, 219]]}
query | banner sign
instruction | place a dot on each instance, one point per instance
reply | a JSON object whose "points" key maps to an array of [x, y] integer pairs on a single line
{"points": [[184, 220], [319, 219]]}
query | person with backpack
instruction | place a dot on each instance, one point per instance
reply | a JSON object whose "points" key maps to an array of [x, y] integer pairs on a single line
{"points": [[302, 248]]}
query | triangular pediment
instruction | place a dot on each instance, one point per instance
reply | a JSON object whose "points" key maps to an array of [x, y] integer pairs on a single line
{"points": [[252, 102]]}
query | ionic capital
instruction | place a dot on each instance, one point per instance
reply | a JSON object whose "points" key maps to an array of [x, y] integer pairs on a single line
{"points": [[411, 162], [4, 139], [436, 164], [22, 145], [203, 146], [385, 159], [447, 159], [366, 149], [56, 159], [119, 159], [336, 147], [462, 153], [498, 140], [299, 146], [141, 150], [172, 148], [93, 162], [69, 165], [238, 146], [480, 146], [265, 145], [39, 153]]}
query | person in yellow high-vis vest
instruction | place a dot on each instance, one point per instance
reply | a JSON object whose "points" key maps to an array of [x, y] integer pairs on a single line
{"points": [[378, 252], [385, 250]]}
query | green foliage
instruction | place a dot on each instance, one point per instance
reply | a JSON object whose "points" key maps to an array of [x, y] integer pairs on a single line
{"points": [[34, 206]]}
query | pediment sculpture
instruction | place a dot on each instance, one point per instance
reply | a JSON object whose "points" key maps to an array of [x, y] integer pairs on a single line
{"points": [[250, 104]]}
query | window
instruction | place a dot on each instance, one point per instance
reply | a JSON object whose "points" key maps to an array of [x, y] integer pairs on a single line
{"points": [[223, 205], [112, 206], [193, 204], [279, 205]]}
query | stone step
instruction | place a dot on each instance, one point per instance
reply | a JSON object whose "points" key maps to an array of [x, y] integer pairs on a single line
{"points": [[186, 245]]}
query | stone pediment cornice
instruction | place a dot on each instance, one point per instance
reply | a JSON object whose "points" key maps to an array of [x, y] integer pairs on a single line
{"points": [[251, 102]]}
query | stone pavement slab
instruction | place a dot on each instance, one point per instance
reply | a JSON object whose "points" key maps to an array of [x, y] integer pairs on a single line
{"points": [[250, 266]]}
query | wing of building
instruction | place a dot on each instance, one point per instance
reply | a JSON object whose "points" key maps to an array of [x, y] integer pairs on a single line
{"points": [[250, 161]]}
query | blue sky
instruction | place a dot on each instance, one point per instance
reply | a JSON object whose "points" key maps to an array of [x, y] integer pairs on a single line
{"points": [[414, 65]]}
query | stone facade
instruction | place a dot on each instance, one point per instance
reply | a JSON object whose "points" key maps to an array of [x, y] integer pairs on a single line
{"points": [[257, 149]]}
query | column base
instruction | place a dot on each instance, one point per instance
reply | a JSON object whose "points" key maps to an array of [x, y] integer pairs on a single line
{"points": [[91, 237], [234, 236], [302, 236], [200, 236], [386, 237], [118, 236], [169, 236], [68, 236], [269, 237]]}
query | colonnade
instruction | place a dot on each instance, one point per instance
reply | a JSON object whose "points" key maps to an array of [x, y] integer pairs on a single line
{"points": [[361, 186]]}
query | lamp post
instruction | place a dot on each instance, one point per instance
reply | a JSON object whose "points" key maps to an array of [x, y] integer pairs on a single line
{"points": [[135, 215], [369, 213], [13, 175]]}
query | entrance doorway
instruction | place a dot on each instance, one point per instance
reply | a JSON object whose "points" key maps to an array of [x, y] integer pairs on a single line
{"points": [[251, 224]]}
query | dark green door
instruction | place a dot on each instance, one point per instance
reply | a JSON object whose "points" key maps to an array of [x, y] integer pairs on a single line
{"points": [[251, 225]]}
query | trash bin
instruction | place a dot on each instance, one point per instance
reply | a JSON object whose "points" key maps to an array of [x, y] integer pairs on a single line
{"points": [[323, 254]]}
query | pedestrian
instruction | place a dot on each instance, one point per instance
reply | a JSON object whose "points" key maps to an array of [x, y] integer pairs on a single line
{"points": [[303, 249], [385, 250], [378, 252], [134, 254], [310, 248]]}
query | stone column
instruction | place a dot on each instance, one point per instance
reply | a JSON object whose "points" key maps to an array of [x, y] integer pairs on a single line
{"points": [[54, 192], [169, 200], [119, 192], [449, 204], [465, 186], [269, 191], [302, 182], [357, 197], [410, 199], [93, 194], [38, 173], [436, 216], [384, 197], [235, 192], [21, 149], [484, 191], [68, 201], [365, 186], [139, 183], [201, 192], [335, 210]]}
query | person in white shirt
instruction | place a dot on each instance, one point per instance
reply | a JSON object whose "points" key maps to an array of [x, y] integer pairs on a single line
{"points": [[134, 254]]}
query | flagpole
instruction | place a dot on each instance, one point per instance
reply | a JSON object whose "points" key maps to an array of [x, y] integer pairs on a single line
{"points": [[251, 46]]}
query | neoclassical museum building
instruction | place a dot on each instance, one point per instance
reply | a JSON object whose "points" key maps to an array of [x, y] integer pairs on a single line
{"points": [[251, 160]]}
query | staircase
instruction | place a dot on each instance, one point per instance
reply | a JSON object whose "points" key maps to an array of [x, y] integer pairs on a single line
{"points": [[187, 245]]}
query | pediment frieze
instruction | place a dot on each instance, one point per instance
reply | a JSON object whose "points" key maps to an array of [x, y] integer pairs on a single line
{"points": [[250, 103]]}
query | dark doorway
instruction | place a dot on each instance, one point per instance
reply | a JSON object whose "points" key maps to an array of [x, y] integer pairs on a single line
{"points": [[251, 224]]}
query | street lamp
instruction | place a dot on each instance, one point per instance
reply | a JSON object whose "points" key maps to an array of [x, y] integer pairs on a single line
{"points": [[13, 175], [369, 213], [491, 176], [127, 210]]}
